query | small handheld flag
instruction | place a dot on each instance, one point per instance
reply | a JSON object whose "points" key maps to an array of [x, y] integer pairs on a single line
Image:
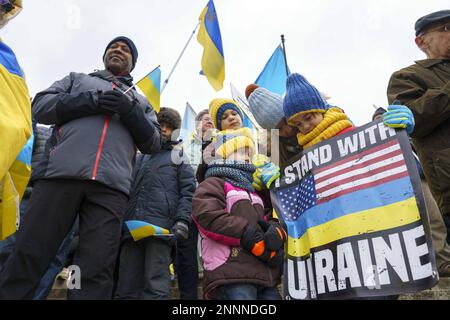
{"points": [[188, 124], [140, 229], [150, 85]]}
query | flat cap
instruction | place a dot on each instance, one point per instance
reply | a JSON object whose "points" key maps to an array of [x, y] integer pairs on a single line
{"points": [[431, 18]]}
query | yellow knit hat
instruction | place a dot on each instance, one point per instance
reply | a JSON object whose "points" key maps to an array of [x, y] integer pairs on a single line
{"points": [[217, 107], [228, 142]]}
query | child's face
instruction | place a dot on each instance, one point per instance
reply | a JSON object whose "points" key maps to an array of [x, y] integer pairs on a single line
{"points": [[241, 154], [230, 120], [166, 132], [306, 122]]}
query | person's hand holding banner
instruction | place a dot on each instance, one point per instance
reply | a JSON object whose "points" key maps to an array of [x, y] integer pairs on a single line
{"points": [[399, 117], [274, 235]]}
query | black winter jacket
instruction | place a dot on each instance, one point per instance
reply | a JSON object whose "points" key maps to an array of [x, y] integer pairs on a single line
{"points": [[86, 144], [162, 189]]}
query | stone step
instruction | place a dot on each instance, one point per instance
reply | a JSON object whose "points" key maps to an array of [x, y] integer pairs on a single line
{"points": [[440, 292]]}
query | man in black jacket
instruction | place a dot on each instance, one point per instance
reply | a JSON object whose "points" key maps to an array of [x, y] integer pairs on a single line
{"points": [[162, 196], [87, 170]]}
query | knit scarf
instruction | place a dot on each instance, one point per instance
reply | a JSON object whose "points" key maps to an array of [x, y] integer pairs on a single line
{"points": [[238, 173], [334, 121]]}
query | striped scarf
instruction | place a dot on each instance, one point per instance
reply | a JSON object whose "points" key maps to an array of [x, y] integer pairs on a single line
{"points": [[239, 174]]}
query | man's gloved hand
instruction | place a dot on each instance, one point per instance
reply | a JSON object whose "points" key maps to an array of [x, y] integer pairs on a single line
{"points": [[113, 101], [274, 235], [399, 117], [180, 230], [266, 172]]}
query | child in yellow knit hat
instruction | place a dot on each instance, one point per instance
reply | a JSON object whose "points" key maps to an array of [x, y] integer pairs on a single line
{"points": [[228, 117]]}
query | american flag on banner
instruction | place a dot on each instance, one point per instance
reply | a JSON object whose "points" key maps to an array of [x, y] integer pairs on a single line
{"points": [[373, 167]]}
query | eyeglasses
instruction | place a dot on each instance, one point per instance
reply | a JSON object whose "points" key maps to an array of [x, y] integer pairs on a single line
{"points": [[444, 28]]}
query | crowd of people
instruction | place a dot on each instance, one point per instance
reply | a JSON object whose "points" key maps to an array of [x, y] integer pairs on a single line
{"points": [[105, 157]]}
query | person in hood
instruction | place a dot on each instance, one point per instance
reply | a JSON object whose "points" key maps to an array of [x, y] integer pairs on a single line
{"points": [[87, 170], [162, 196]]}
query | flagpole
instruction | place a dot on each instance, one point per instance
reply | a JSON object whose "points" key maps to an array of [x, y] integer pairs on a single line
{"points": [[284, 52], [134, 85], [178, 60]]}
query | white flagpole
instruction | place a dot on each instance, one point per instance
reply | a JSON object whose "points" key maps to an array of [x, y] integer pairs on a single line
{"points": [[178, 60]]}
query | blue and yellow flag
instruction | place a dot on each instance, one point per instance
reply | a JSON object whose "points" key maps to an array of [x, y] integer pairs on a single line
{"points": [[151, 87], [140, 229], [188, 124], [16, 140], [213, 63], [273, 77]]}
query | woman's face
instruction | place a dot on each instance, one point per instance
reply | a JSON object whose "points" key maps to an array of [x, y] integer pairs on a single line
{"points": [[306, 122], [230, 120]]}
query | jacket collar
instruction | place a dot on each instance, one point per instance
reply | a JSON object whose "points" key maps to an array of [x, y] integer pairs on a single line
{"points": [[126, 78], [428, 63], [169, 145]]}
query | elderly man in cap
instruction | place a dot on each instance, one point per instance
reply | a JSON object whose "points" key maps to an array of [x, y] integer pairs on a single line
{"points": [[425, 88], [87, 170]]}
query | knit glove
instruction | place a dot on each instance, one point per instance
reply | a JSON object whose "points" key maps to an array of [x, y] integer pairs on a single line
{"points": [[399, 117], [113, 101], [266, 172], [274, 235], [180, 230]]}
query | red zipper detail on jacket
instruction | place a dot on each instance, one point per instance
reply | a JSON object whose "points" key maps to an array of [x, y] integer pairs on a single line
{"points": [[102, 140], [100, 147]]}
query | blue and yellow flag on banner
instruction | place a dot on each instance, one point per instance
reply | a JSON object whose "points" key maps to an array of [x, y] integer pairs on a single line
{"points": [[150, 85], [273, 77], [16, 140], [213, 63], [353, 210], [140, 229]]}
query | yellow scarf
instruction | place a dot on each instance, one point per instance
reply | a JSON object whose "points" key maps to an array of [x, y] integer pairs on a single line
{"points": [[334, 121]]}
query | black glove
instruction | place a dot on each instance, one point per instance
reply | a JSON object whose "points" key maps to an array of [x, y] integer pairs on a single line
{"points": [[276, 260], [180, 230], [113, 101], [274, 235], [252, 240]]}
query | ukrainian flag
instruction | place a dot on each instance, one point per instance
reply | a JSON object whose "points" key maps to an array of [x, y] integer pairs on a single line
{"points": [[16, 140], [140, 229], [150, 85], [213, 63]]}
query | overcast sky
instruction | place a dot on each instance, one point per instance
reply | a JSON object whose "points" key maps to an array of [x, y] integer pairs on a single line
{"points": [[346, 48]]}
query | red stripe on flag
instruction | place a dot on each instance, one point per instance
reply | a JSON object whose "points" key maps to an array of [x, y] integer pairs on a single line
{"points": [[360, 155], [362, 165], [361, 176], [363, 186]]}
